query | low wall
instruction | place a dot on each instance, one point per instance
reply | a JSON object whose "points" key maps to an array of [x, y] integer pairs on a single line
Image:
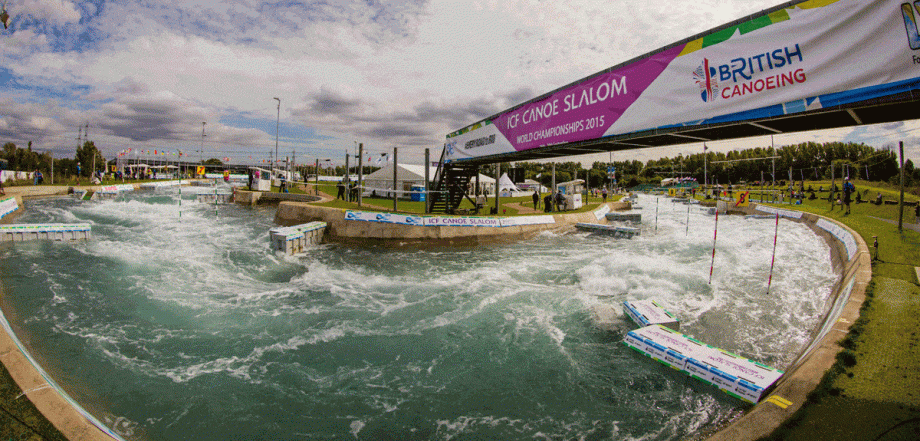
{"points": [[851, 259], [342, 230], [263, 197]]}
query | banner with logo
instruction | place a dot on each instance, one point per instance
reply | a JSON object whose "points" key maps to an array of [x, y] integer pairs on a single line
{"points": [[389, 218], [812, 55], [444, 221]]}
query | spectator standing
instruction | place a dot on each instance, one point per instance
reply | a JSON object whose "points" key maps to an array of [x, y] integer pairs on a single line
{"points": [[848, 189]]}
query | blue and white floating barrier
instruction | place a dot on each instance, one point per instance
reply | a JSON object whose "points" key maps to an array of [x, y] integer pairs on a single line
{"points": [[293, 240], [24, 232], [162, 184], [737, 376], [8, 206], [635, 218], [618, 232], [649, 312]]}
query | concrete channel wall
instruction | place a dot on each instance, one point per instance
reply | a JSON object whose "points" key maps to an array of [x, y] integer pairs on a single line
{"points": [[341, 230], [855, 269]]}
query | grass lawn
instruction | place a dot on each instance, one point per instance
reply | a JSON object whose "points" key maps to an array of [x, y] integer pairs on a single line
{"points": [[506, 205], [873, 391]]}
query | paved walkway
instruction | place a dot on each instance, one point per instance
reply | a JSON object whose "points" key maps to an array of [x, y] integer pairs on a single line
{"points": [[911, 226]]}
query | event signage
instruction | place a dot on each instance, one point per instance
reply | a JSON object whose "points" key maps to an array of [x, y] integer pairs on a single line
{"points": [[445, 221], [812, 55], [387, 218]]}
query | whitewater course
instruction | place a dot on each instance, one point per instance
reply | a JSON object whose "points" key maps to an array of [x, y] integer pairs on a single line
{"points": [[178, 321]]}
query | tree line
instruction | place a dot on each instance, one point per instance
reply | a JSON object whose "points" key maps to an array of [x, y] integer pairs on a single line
{"points": [[807, 161], [27, 160]]}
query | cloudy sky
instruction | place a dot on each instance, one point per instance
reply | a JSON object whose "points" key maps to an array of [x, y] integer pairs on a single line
{"points": [[145, 74]]}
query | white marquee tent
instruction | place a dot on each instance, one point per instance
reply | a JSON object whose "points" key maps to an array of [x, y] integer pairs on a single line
{"points": [[407, 176]]}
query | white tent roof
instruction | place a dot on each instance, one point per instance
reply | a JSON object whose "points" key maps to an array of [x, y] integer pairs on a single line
{"points": [[504, 183], [412, 172]]}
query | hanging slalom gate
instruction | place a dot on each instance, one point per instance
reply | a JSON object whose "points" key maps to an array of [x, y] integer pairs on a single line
{"points": [[293, 240]]}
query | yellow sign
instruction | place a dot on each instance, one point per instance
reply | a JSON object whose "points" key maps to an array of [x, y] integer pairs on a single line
{"points": [[743, 199], [200, 169], [672, 192], [114, 168]]}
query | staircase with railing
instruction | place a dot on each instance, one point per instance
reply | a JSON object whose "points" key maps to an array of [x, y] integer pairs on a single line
{"points": [[451, 183]]}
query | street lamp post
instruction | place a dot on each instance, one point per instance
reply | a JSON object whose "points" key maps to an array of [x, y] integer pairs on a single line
{"points": [[277, 125], [201, 149]]}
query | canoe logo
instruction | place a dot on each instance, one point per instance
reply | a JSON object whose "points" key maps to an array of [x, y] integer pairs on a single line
{"points": [[910, 23], [705, 77]]}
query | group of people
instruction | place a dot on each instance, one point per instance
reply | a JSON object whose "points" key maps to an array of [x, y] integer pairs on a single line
{"points": [[352, 189]]}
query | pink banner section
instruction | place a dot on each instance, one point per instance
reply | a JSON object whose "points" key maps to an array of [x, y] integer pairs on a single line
{"points": [[583, 111]]}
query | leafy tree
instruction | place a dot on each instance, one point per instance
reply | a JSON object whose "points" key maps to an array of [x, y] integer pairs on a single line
{"points": [[89, 156]]}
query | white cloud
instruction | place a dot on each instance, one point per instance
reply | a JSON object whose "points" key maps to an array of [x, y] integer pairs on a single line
{"points": [[386, 73], [54, 12]]}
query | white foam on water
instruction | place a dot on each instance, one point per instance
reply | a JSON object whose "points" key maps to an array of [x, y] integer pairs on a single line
{"points": [[203, 278]]}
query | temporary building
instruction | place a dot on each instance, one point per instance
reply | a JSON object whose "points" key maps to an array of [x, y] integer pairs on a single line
{"points": [[504, 183]]}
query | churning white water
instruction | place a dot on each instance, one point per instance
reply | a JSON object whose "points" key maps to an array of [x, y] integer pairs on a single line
{"points": [[172, 326]]}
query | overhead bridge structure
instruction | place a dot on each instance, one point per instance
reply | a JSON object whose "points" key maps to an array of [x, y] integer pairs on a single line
{"points": [[800, 66]]}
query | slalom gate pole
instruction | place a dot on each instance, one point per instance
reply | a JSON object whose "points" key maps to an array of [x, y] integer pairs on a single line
{"points": [[773, 259], [687, 231], [656, 215], [715, 233], [180, 197]]}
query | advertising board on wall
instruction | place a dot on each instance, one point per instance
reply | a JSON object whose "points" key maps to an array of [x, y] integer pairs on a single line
{"points": [[446, 221], [811, 55]]}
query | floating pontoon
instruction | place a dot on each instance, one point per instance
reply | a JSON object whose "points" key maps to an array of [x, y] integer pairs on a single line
{"points": [[649, 312], [737, 376]]}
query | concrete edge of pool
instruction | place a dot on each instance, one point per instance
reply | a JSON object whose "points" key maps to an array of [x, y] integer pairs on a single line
{"points": [[758, 421]]}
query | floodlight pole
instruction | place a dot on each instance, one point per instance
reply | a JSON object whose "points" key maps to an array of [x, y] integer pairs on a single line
{"points": [[360, 172], [901, 199], [705, 168], [201, 149], [277, 125]]}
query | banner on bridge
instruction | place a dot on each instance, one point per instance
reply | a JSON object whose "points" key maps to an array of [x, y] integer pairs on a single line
{"points": [[811, 55]]}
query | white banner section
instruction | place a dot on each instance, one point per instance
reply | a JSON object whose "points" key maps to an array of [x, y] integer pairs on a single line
{"points": [[446, 221]]}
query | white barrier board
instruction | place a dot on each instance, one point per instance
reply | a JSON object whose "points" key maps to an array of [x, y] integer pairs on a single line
{"points": [[735, 375]]}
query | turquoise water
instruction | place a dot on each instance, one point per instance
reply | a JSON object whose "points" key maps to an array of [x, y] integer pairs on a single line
{"points": [[188, 327]]}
